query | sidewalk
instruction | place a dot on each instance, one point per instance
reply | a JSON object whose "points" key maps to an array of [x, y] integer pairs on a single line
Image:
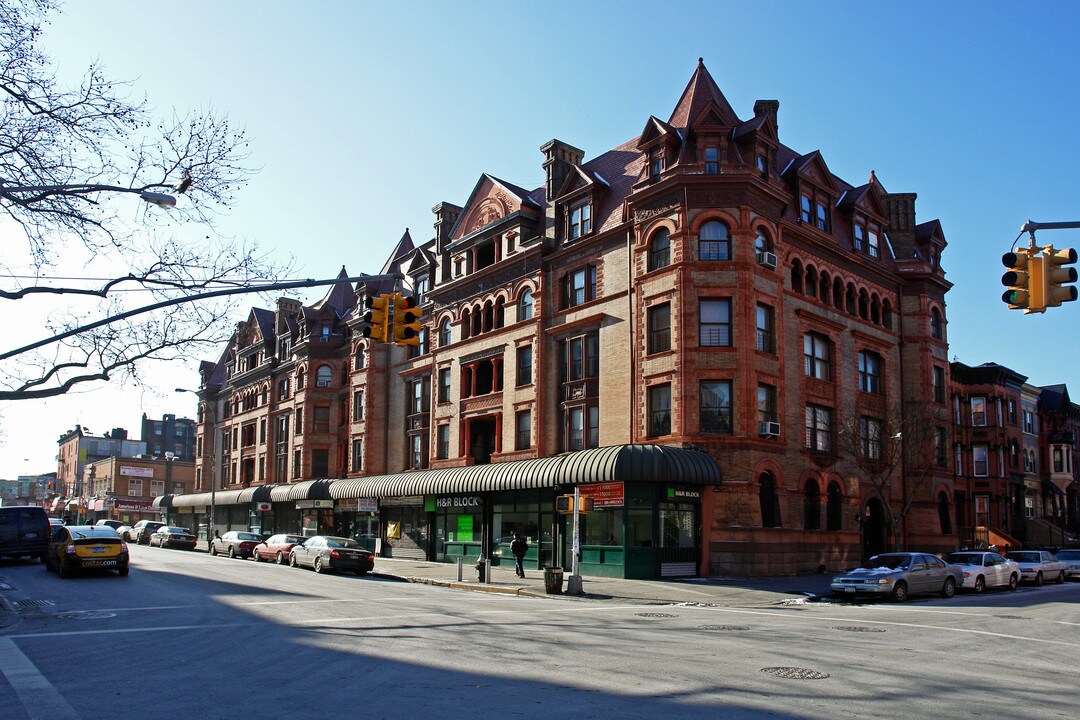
{"points": [[709, 591]]}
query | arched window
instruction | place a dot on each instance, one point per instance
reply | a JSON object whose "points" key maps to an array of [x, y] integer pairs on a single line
{"points": [[714, 241], [812, 506], [811, 281], [525, 305], [324, 376], [834, 515], [936, 330], [761, 242], [444, 332], [886, 314], [360, 358], [838, 293], [770, 503], [797, 276], [660, 250], [466, 324], [300, 379], [944, 516]]}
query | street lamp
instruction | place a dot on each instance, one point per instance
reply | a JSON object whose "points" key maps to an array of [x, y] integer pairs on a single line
{"points": [[162, 200], [213, 460]]}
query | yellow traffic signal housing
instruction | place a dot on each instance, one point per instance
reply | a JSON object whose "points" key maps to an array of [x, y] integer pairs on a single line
{"points": [[565, 504], [1056, 275], [377, 317], [406, 321], [1024, 280]]}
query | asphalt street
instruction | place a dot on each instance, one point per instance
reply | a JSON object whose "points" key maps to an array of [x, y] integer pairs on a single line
{"points": [[191, 636]]}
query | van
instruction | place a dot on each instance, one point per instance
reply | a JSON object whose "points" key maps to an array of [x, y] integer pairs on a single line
{"points": [[24, 532]]}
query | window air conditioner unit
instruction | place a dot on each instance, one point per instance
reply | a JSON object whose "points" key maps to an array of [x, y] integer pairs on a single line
{"points": [[322, 383], [767, 259], [769, 429]]}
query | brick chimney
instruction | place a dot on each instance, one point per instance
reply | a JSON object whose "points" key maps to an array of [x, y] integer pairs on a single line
{"points": [[768, 108]]}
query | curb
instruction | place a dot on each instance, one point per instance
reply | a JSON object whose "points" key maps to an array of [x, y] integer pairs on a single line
{"points": [[488, 588]]}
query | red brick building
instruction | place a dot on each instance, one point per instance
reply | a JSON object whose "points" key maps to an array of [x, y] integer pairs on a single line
{"points": [[702, 300]]}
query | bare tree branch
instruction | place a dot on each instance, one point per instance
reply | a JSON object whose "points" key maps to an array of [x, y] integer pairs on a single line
{"points": [[73, 164]]}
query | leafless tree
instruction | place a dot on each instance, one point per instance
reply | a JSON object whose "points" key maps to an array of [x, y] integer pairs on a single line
{"points": [[76, 164], [896, 452]]}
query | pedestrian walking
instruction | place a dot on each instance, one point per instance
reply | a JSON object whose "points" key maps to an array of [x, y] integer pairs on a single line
{"points": [[519, 547]]}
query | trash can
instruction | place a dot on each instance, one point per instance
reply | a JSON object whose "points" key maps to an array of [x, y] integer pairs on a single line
{"points": [[553, 580]]}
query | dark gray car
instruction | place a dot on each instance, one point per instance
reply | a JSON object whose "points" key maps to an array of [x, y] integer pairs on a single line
{"points": [[899, 576], [325, 552]]}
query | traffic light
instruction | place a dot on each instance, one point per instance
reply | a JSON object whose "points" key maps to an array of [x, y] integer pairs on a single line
{"points": [[565, 504], [1056, 275], [406, 321], [376, 317], [1023, 280]]}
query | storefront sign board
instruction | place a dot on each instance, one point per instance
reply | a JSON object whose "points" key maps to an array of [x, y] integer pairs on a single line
{"points": [[604, 494]]}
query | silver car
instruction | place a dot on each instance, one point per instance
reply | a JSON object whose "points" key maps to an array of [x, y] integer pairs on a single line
{"points": [[1071, 558], [899, 576]]}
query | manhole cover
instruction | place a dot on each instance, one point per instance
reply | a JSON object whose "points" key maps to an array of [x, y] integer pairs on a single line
{"points": [[85, 615], [23, 604], [723, 628], [794, 673], [858, 628], [655, 615]]}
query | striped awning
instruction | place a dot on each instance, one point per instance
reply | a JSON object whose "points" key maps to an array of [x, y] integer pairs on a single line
{"points": [[162, 501], [258, 493], [305, 490], [225, 497], [619, 463]]}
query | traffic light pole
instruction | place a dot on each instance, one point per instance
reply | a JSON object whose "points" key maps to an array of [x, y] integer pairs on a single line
{"points": [[1038, 277], [573, 583]]}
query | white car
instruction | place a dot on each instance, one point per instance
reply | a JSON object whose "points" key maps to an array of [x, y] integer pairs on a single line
{"points": [[985, 570], [1038, 565], [1071, 558]]}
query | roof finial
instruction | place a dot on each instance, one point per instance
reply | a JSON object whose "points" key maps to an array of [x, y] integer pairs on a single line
{"points": [[701, 62], [873, 178]]}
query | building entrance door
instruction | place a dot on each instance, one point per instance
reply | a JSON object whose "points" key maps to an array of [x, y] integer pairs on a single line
{"points": [[679, 542], [875, 540]]}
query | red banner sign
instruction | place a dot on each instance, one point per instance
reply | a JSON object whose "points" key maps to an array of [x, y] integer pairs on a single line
{"points": [[604, 494]]}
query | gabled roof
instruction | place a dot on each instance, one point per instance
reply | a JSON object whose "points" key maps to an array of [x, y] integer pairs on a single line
{"points": [[580, 177], [619, 168], [485, 200], [929, 229], [401, 250], [340, 298], [752, 125], [1054, 397], [654, 128], [804, 164], [700, 92], [264, 321]]}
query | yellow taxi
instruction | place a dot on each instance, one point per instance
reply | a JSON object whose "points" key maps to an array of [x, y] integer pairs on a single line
{"points": [[89, 547]]}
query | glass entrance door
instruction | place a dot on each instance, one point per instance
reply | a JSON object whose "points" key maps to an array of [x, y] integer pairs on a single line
{"points": [[678, 539]]}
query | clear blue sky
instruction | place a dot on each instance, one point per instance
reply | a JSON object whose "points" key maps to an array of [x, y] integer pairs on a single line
{"points": [[364, 115]]}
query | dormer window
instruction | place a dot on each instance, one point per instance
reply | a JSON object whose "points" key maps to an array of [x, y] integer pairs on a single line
{"points": [[866, 237], [485, 255], [421, 291], [712, 160], [656, 165], [762, 164], [284, 348], [580, 220], [815, 210]]}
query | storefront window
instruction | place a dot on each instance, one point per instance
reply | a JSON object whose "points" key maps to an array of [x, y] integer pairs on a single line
{"points": [[639, 528], [604, 527]]}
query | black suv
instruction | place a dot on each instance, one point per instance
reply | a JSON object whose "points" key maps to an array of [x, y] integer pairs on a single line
{"points": [[142, 530], [24, 531]]}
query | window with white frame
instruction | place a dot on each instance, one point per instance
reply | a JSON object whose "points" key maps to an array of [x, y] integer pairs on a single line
{"points": [[818, 428], [816, 355], [978, 412], [714, 325], [980, 460], [135, 487], [580, 220]]}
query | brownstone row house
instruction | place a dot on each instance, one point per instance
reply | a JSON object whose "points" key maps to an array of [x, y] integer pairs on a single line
{"points": [[741, 357]]}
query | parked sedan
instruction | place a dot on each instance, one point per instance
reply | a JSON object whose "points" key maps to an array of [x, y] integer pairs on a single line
{"points": [[1038, 565], [86, 547], [276, 548], [171, 536], [898, 576], [141, 531], [324, 552], [985, 570], [1071, 558], [235, 543]]}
